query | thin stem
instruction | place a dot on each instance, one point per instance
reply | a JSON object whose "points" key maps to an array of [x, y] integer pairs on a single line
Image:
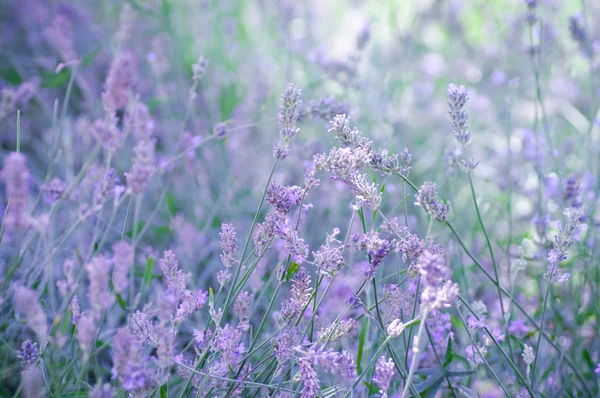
{"points": [[18, 131], [256, 214], [509, 296], [539, 339], [462, 318], [489, 245], [416, 352]]}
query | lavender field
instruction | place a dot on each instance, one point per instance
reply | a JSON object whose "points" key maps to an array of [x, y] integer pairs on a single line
{"points": [[320, 198]]}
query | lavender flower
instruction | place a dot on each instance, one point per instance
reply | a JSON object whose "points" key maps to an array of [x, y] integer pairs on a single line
{"points": [[410, 245], [285, 343], [107, 133], [191, 302], [384, 372], [123, 260], [16, 180], [29, 354], [229, 245], [531, 11], [126, 22], [75, 310], [349, 138], [387, 164], [199, 68], [143, 328], [318, 355], [567, 234], [427, 198], [128, 363], [395, 303], [347, 366], [325, 108], [67, 286], [406, 158], [475, 354], [60, 36], [336, 332], [572, 192], [457, 98], [281, 150], [395, 328], [27, 302], [308, 377], [139, 121], [329, 259], [119, 82], [32, 380], [528, 355], [439, 326], [347, 162], [223, 277], [436, 293], [580, 35], [86, 331], [101, 391], [99, 277], [242, 307], [144, 166], [220, 129], [276, 224], [541, 226], [301, 293], [376, 247], [289, 112], [54, 189], [343, 162], [227, 342], [175, 279], [283, 198], [105, 188]]}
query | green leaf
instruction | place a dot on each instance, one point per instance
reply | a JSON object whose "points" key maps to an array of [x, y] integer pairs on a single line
{"points": [[163, 391], [148, 271], [211, 298], [171, 203], [53, 80], [90, 57], [361, 344], [121, 302], [449, 353], [165, 8], [588, 359], [228, 100], [11, 75], [459, 373], [431, 386], [294, 267]]}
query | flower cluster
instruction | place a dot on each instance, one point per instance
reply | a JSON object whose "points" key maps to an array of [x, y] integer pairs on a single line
{"points": [[438, 292], [427, 198], [568, 233]]}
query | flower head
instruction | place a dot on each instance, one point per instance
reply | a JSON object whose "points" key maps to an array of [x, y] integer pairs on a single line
{"points": [[427, 198], [289, 111], [384, 372], [29, 354], [457, 98]]}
